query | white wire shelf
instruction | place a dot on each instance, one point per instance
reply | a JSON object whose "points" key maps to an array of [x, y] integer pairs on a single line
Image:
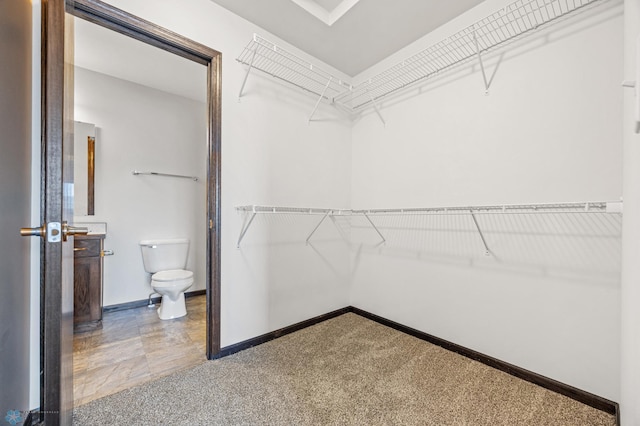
{"points": [[292, 210], [511, 209], [278, 62], [513, 21], [582, 207]]}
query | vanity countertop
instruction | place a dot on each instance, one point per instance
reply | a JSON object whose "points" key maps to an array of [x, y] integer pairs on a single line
{"points": [[95, 228]]}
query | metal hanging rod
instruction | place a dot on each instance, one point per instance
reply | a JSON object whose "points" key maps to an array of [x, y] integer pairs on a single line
{"points": [[512, 21], [137, 172]]}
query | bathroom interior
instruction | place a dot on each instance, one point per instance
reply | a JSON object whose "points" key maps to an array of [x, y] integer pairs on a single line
{"points": [[158, 131]]}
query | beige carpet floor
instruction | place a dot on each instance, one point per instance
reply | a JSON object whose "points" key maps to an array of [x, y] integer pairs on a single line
{"points": [[345, 371]]}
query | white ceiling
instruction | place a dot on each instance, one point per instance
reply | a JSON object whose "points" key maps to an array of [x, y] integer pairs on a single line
{"points": [[365, 32]]}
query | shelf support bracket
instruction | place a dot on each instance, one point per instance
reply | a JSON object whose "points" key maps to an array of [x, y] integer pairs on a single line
{"points": [[317, 226], [320, 99], [245, 228], [375, 227], [377, 109], [247, 74], [487, 252], [487, 83]]}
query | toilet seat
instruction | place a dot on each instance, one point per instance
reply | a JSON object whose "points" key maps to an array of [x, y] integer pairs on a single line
{"points": [[171, 278]]}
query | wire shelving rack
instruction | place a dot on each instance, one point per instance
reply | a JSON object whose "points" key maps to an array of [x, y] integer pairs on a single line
{"points": [[512, 21], [265, 56], [472, 211]]}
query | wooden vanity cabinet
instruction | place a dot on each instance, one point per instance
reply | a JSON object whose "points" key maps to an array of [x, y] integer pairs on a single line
{"points": [[87, 282]]}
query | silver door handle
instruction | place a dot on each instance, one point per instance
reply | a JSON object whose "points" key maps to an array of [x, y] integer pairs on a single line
{"points": [[107, 253]]}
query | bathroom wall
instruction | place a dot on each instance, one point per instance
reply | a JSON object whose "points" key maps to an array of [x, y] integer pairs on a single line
{"points": [[271, 155], [140, 128], [549, 130]]}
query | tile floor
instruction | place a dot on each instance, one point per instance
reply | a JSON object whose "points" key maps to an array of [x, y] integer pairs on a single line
{"points": [[133, 347]]}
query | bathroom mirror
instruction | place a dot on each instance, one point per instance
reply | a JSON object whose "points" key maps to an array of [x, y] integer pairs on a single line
{"points": [[84, 163]]}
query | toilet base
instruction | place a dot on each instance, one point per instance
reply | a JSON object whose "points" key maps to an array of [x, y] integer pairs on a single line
{"points": [[171, 309]]}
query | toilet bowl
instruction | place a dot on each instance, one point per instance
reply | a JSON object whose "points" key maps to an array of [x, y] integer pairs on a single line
{"points": [[171, 285], [165, 260]]}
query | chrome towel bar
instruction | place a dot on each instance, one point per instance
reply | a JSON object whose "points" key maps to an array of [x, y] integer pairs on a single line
{"points": [[137, 172]]}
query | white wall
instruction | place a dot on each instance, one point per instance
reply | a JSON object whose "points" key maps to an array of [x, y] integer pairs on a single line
{"points": [[630, 294], [140, 128], [270, 155], [549, 131]]}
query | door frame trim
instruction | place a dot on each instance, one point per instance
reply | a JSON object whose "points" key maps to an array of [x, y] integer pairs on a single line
{"points": [[115, 19]]}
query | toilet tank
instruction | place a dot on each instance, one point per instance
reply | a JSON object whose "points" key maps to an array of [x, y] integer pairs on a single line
{"points": [[162, 255]]}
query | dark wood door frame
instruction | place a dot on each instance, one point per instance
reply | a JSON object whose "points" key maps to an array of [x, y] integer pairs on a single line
{"points": [[56, 316], [115, 19], [53, 26]]}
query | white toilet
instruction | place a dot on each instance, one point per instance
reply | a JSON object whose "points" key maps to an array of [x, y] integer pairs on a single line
{"points": [[166, 260]]}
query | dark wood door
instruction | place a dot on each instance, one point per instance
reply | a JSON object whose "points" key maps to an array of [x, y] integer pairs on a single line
{"points": [[57, 209]]}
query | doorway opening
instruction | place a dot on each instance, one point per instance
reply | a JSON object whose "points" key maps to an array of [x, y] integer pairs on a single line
{"points": [[56, 382], [140, 116]]}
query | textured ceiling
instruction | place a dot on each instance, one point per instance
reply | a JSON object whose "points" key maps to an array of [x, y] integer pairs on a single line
{"points": [[367, 33]]}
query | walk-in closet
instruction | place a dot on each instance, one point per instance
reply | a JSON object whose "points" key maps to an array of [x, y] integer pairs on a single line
{"points": [[474, 187]]}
